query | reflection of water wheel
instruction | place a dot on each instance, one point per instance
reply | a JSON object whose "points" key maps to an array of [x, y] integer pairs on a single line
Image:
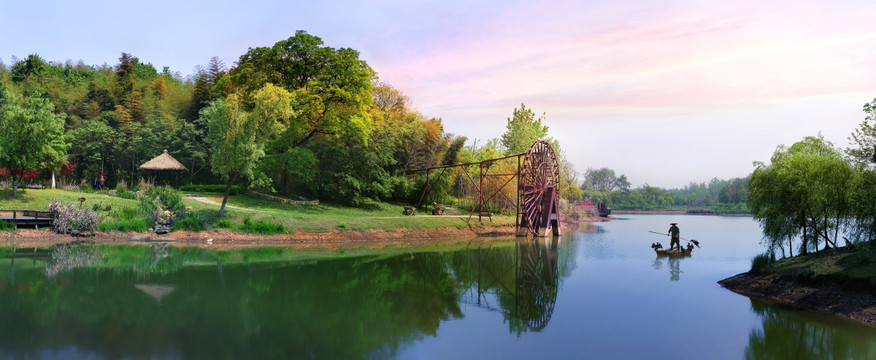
{"points": [[537, 285], [539, 190]]}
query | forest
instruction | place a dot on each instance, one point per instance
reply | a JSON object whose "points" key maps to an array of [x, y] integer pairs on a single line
{"points": [[283, 119], [723, 196]]}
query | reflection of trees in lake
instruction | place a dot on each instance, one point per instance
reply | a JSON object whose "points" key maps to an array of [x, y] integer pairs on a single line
{"points": [[786, 335], [523, 280], [342, 308]]}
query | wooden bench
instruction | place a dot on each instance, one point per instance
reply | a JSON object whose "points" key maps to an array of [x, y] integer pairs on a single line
{"points": [[485, 214], [409, 210]]}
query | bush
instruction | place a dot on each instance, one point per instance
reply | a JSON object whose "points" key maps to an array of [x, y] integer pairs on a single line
{"points": [[123, 192], [170, 199], [191, 222], [261, 227], [224, 224], [760, 263], [69, 219], [4, 226]]}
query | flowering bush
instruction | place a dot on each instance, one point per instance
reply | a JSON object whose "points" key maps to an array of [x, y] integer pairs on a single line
{"points": [[69, 219]]}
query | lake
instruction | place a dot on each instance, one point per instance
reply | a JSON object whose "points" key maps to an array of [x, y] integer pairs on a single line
{"points": [[599, 293]]}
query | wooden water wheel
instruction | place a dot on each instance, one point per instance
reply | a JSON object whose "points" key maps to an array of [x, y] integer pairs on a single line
{"points": [[539, 184]]}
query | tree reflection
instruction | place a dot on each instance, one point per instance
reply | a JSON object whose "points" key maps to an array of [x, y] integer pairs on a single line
{"points": [[788, 335], [343, 308]]}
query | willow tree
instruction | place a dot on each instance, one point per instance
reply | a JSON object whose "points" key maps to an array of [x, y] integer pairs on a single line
{"points": [[806, 190], [31, 134], [237, 137]]}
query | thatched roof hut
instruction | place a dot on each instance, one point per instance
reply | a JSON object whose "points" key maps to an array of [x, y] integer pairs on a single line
{"points": [[162, 164]]}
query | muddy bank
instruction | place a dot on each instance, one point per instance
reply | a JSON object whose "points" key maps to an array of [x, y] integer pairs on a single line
{"points": [[837, 299], [221, 238], [46, 238]]}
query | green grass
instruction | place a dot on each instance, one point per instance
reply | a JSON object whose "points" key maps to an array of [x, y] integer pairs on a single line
{"points": [[264, 214], [325, 217], [855, 263]]}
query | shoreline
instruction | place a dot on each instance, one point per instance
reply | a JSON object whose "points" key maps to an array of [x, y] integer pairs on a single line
{"points": [[828, 298], [229, 239]]}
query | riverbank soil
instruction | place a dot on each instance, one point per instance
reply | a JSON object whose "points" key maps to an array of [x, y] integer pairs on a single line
{"points": [[838, 282]]}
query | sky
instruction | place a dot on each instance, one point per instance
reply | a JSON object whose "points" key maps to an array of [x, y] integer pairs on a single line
{"points": [[664, 92]]}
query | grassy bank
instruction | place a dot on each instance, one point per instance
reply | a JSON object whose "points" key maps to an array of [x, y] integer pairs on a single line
{"points": [[853, 266], [244, 213], [837, 281]]}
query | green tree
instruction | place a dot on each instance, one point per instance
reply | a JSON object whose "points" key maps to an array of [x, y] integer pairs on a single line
{"points": [[806, 190], [31, 134], [237, 137], [331, 87], [604, 180], [523, 129], [95, 147], [864, 138]]}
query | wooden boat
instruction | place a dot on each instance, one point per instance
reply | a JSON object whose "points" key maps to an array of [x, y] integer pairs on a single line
{"points": [[679, 252], [674, 252]]}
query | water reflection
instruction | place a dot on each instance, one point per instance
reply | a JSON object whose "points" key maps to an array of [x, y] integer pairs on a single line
{"points": [[342, 308], [674, 267], [522, 284], [787, 334]]}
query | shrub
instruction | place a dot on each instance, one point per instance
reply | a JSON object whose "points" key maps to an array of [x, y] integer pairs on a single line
{"points": [[760, 263], [170, 199], [69, 219], [4, 226], [191, 222], [224, 224], [123, 192], [261, 227]]}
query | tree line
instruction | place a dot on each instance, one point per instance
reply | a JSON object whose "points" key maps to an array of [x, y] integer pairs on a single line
{"points": [[298, 118], [604, 185]]}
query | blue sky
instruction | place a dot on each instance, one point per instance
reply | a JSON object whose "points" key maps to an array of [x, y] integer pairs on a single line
{"points": [[665, 92]]}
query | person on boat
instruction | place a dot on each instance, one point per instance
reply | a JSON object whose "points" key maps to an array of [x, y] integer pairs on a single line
{"points": [[674, 233]]}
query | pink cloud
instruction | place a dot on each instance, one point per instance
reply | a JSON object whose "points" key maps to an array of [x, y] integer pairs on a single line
{"points": [[683, 56]]}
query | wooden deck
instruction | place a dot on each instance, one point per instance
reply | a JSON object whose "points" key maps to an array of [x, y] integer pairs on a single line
{"points": [[26, 218]]}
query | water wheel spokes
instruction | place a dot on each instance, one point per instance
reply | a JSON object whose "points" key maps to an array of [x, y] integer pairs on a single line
{"points": [[539, 177]]}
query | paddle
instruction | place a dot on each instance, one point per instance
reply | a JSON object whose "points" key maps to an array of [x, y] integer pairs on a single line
{"points": [[695, 242]]}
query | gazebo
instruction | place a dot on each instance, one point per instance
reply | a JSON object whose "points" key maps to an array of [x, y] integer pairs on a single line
{"points": [[161, 165]]}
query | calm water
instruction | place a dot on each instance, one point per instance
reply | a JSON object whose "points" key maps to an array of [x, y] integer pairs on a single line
{"points": [[597, 293]]}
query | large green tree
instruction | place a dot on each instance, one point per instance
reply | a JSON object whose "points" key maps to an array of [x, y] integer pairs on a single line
{"points": [[237, 137], [31, 134], [331, 93], [805, 191]]}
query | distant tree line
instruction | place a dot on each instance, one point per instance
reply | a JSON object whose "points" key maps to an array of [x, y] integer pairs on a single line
{"points": [[604, 185], [297, 118]]}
